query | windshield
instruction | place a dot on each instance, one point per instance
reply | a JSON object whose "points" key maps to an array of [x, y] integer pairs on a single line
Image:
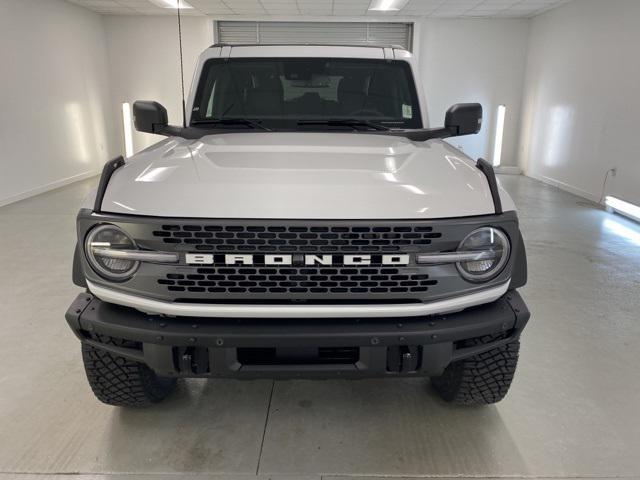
{"points": [[309, 93]]}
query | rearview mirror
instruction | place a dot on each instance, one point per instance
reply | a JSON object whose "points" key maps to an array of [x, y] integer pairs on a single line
{"points": [[150, 117], [463, 119]]}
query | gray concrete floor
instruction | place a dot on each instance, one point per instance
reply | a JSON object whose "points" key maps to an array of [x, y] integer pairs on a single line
{"points": [[573, 410]]}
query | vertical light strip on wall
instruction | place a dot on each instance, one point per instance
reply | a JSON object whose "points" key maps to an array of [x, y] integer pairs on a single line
{"points": [[623, 208], [497, 144], [128, 131]]}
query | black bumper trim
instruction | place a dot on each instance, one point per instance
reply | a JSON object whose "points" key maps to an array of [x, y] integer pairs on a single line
{"points": [[164, 341]]}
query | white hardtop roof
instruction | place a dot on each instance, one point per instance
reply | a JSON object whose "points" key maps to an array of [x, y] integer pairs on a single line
{"points": [[389, 52]]}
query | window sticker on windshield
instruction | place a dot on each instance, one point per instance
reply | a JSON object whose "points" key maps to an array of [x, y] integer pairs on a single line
{"points": [[407, 111]]}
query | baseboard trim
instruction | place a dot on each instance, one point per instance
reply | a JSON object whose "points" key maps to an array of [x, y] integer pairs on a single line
{"points": [[507, 170], [565, 187], [48, 187]]}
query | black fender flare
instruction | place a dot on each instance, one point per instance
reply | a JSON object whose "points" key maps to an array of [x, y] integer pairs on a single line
{"points": [[77, 273], [519, 273]]}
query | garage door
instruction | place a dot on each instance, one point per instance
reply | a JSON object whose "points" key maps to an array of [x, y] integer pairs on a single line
{"points": [[335, 33]]}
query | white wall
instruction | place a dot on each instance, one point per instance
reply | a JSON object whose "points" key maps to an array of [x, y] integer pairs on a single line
{"points": [[581, 100], [475, 60], [144, 62], [55, 125]]}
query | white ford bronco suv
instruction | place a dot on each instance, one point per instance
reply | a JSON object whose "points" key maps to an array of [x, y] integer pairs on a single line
{"points": [[303, 223]]}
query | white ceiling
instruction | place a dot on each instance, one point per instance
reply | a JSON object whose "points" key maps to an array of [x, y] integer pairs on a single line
{"points": [[334, 8]]}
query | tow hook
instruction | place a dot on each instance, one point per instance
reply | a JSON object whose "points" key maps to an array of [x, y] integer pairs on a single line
{"points": [[403, 358]]}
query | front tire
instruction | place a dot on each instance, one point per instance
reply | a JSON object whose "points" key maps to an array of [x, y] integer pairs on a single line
{"points": [[482, 379], [121, 382]]}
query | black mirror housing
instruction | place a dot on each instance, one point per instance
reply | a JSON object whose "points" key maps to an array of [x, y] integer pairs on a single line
{"points": [[150, 117], [463, 119]]}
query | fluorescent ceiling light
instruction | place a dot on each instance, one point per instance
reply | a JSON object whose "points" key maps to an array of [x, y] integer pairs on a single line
{"points": [[387, 5], [172, 4], [623, 208], [497, 144]]}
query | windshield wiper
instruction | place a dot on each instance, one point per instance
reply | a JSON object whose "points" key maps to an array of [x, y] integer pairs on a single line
{"points": [[232, 121], [347, 122]]}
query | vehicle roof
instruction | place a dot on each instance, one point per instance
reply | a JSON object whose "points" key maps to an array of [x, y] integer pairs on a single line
{"points": [[307, 50], [308, 44]]}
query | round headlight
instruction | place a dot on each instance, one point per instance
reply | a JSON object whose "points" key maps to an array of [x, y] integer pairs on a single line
{"points": [[492, 246], [113, 238]]}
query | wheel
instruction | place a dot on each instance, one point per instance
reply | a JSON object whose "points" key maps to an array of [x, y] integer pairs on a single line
{"points": [[482, 379], [121, 382]]}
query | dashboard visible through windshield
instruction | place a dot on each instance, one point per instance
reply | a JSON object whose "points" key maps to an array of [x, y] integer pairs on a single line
{"points": [[307, 93]]}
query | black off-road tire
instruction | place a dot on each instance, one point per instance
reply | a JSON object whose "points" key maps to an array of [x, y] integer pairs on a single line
{"points": [[482, 379], [121, 382]]}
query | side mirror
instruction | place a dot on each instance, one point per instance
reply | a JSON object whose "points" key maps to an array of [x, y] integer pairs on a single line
{"points": [[463, 119], [150, 117]]}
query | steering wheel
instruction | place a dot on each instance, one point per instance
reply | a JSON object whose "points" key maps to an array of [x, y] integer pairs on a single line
{"points": [[366, 112]]}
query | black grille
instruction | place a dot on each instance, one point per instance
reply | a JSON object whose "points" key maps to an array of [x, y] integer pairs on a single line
{"points": [[258, 281], [238, 238], [298, 280]]}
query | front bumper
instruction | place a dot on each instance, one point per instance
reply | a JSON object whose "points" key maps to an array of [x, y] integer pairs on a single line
{"points": [[294, 348]]}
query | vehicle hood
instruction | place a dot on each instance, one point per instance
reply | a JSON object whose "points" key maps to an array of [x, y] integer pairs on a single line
{"points": [[299, 176]]}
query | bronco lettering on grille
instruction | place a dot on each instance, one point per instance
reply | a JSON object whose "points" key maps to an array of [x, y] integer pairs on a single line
{"points": [[295, 259]]}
